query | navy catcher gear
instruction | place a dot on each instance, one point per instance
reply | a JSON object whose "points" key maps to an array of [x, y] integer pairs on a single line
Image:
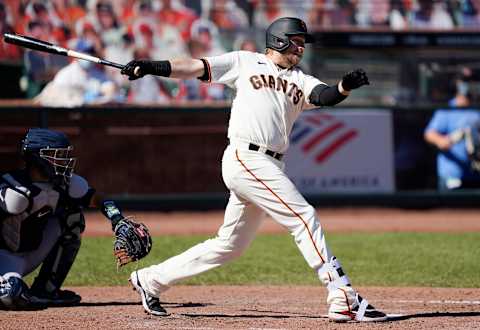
{"points": [[15, 295], [278, 33], [49, 151]]}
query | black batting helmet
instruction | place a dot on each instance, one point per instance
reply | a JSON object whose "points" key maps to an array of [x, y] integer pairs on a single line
{"points": [[280, 30]]}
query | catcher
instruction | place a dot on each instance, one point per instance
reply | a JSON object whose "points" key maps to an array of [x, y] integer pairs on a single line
{"points": [[41, 222]]}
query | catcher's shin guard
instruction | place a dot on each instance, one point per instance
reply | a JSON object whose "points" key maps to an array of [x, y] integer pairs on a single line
{"points": [[55, 268]]}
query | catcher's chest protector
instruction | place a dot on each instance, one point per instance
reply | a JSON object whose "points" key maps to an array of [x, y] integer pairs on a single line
{"points": [[23, 231]]}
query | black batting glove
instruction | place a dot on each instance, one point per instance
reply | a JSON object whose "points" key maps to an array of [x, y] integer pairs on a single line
{"points": [[354, 79], [144, 67]]}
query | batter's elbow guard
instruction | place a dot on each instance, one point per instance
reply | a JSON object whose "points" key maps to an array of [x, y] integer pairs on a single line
{"points": [[323, 95]]}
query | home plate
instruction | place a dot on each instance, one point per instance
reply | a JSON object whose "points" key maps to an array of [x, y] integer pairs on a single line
{"points": [[390, 317]]}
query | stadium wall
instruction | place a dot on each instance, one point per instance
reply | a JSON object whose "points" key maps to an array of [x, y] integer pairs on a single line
{"points": [[169, 157]]}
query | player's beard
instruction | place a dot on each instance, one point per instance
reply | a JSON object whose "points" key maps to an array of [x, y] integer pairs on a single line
{"points": [[294, 59]]}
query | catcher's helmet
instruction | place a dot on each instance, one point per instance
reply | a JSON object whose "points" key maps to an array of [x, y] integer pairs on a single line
{"points": [[278, 33], [49, 151]]}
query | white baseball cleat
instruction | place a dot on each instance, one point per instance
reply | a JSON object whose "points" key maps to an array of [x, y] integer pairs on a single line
{"points": [[360, 310], [150, 303]]}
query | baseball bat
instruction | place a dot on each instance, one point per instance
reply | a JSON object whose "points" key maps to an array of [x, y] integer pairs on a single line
{"points": [[44, 46]]}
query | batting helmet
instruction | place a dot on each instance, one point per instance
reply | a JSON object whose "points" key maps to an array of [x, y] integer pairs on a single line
{"points": [[280, 30], [49, 151]]}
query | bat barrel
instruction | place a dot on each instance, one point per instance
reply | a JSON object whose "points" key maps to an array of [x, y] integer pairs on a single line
{"points": [[32, 43], [43, 46]]}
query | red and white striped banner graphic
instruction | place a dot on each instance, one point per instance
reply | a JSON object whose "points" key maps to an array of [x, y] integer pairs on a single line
{"points": [[342, 151]]}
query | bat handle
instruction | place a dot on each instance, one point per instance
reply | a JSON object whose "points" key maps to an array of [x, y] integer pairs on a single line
{"points": [[112, 64]]}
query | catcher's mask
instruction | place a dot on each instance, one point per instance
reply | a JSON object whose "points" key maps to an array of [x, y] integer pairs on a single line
{"points": [[279, 32], [50, 152]]}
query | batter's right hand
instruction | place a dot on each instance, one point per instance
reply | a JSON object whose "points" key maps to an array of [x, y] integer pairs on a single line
{"points": [[136, 69], [355, 79]]}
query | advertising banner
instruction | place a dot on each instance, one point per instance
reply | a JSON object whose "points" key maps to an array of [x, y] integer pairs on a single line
{"points": [[349, 151]]}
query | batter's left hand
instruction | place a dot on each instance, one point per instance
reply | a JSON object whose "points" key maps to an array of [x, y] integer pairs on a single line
{"points": [[354, 79]]}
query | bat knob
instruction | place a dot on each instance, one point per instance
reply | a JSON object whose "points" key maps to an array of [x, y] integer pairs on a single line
{"points": [[137, 71]]}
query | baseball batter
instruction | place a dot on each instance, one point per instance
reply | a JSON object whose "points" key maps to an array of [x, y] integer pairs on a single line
{"points": [[271, 92]]}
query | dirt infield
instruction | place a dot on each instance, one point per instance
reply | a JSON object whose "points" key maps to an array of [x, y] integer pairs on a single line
{"points": [[275, 307]]}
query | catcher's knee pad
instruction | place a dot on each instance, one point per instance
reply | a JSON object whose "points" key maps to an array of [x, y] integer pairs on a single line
{"points": [[73, 226]]}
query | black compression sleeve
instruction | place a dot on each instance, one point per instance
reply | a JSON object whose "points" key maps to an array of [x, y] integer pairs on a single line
{"points": [[160, 68], [326, 95]]}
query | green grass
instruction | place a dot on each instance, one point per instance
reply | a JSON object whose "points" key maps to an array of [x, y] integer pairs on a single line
{"points": [[387, 259]]}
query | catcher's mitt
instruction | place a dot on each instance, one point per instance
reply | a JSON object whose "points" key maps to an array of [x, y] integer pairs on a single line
{"points": [[132, 239]]}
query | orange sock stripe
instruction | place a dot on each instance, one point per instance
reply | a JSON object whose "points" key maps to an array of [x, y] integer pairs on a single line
{"points": [[284, 203]]}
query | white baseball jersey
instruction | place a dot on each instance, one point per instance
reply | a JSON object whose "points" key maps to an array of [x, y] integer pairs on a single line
{"points": [[268, 98]]}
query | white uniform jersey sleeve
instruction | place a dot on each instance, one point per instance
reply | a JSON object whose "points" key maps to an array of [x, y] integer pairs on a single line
{"points": [[224, 68]]}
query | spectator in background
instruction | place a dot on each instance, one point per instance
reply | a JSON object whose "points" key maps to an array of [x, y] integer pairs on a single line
{"points": [[117, 46], [44, 13], [318, 14], [86, 30], [109, 27], [227, 16], [68, 12], [81, 82], [431, 15], [465, 13], [206, 32], [371, 13], [102, 19], [40, 67], [7, 51], [229, 19], [160, 38], [194, 89], [245, 43], [175, 13], [446, 131], [266, 11], [397, 18]]}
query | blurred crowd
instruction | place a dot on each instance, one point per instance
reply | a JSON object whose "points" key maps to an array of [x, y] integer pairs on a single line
{"points": [[120, 30]]}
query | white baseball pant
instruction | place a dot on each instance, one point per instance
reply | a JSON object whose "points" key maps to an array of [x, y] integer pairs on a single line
{"points": [[257, 184]]}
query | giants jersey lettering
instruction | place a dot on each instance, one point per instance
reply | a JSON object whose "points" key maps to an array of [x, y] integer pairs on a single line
{"points": [[268, 99]]}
